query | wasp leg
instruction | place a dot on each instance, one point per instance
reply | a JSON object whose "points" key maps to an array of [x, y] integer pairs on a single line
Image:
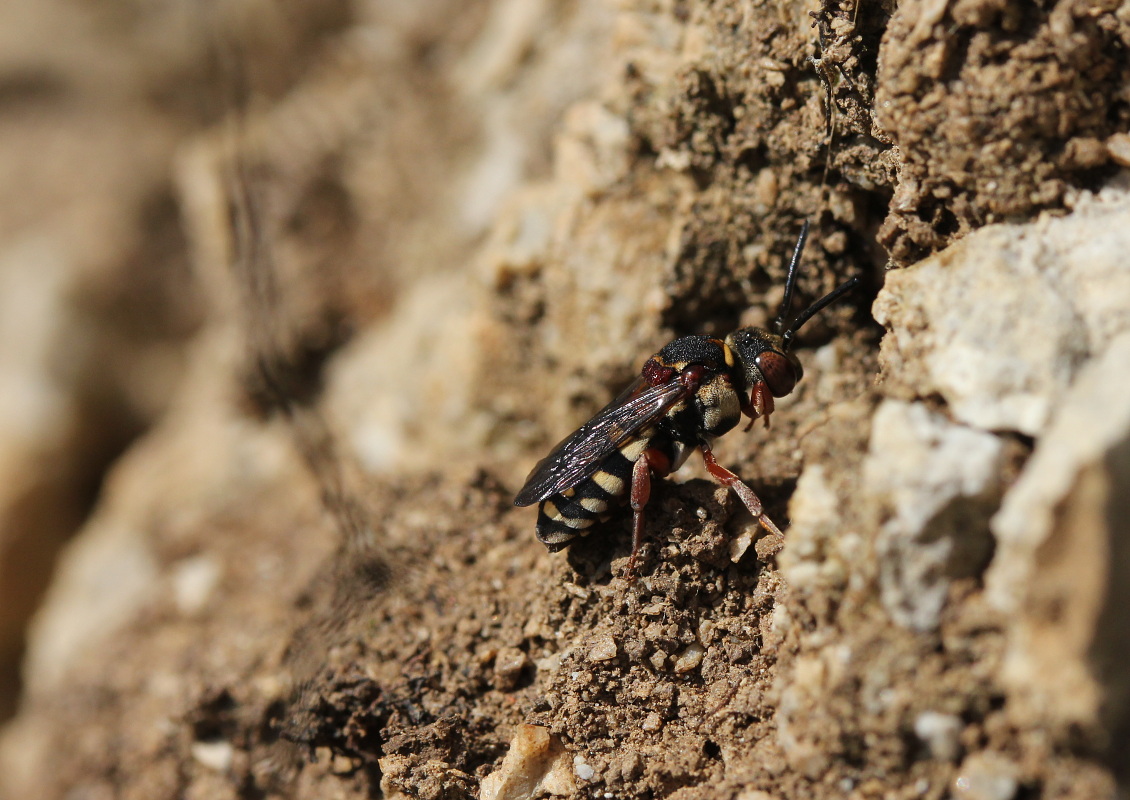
{"points": [[744, 493], [649, 460]]}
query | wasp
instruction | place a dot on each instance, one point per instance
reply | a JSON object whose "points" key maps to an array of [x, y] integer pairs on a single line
{"points": [[689, 393]]}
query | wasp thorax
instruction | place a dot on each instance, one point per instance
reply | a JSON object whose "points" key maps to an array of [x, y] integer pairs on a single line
{"points": [[655, 373], [764, 359]]}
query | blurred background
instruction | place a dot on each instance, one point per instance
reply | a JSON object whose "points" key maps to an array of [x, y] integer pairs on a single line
{"points": [[453, 228], [373, 141], [111, 115], [97, 298]]}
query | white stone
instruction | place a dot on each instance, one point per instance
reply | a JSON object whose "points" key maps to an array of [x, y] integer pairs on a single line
{"points": [[999, 323], [1060, 568], [582, 769], [940, 733], [1091, 418], [214, 755], [536, 764], [986, 776], [933, 479]]}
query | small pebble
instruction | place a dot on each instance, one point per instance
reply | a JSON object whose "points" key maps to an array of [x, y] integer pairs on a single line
{"points": [[690, 658], [214, 755], [1118, 146], [509, 663], [986, 776], [940, 733], [581, 769], [603, 649], [194, 580]]}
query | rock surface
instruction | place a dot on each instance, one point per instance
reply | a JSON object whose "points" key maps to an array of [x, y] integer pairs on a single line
{"points": [[1062, 560], [1002, 359], [426, 241]]}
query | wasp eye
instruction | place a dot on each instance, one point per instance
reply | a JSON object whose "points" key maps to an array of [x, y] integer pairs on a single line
{"points": [[779, 372]]}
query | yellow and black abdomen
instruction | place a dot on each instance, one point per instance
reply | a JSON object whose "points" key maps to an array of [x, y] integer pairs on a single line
{"points": [[565, 516]]}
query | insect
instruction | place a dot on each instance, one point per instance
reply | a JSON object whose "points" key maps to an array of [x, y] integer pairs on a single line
{"points": [[689, 393]]}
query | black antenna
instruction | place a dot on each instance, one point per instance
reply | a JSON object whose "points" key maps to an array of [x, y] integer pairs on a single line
{"points": [[790, 281], [816, 308]]}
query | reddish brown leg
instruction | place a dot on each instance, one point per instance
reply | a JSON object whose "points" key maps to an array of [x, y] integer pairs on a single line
{"points": [[760, 405], [641, 492], [744, 493]]}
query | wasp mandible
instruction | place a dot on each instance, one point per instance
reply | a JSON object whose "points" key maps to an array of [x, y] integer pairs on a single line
{"points": [[689, 393]]}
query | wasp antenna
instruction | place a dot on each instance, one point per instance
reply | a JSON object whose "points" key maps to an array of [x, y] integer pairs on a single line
{"points": [[816, 308], [790, 280]]}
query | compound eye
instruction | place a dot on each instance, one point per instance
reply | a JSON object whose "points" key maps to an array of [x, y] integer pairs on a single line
{"points": [[779, 372]]}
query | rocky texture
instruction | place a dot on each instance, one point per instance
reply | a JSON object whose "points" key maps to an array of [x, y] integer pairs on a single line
{"points": [[1002, 359], [96, 298], [1062, 562], [936, 484], [998, 110], [434, 237]]}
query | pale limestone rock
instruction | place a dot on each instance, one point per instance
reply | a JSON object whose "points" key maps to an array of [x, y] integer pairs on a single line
{"points": [[936, 483], [810, 561], [1001, 357], [386, 429], [808, 684], [102, 578], [828, 547], [1062, 565], [535, 764], [592, 152]]}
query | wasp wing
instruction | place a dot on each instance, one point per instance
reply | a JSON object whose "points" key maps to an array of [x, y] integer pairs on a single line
{"points": [[580, 454]]}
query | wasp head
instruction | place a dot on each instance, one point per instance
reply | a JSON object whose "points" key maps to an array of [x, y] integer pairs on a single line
{"points": [[765, 358]]}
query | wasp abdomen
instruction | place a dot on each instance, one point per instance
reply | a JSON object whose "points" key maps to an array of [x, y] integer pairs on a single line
{"points": [[565, 516]]}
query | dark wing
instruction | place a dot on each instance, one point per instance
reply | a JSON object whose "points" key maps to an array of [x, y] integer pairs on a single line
{"points": [[580, 454]]}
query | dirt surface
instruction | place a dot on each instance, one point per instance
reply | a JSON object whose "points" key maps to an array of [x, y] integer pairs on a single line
{"points": [[1030, 87], [427, 241]]}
